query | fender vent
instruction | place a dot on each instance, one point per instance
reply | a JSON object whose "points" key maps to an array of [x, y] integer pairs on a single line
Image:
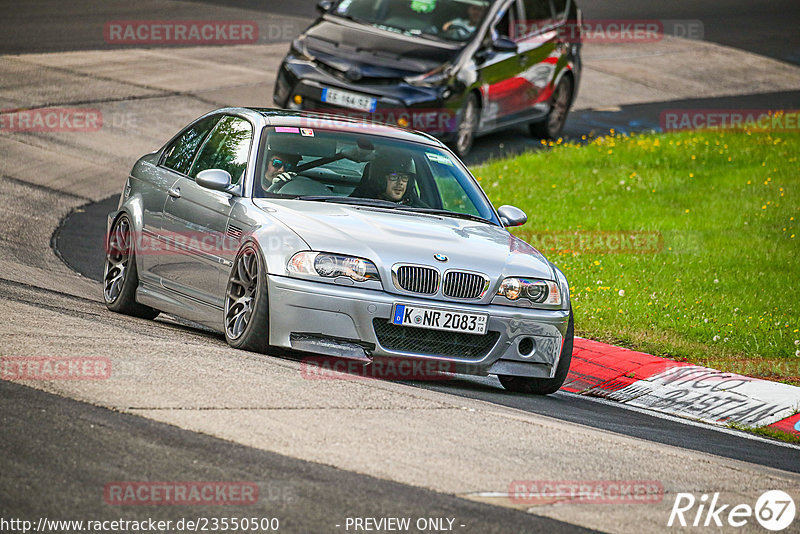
{"points": [[234, 232]]}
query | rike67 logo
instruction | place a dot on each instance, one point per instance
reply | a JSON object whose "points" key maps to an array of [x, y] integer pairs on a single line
{"points": [[774, 510]]}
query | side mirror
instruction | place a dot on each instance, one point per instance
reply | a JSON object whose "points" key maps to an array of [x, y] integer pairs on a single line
{"points": [[511, 216], [215, 179], [323, 6], [504, 44]]}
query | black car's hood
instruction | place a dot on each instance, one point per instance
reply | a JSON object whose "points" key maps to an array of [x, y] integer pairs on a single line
{"points": [[376, 53]]}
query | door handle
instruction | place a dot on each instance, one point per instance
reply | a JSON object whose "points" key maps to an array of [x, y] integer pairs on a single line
{"points": [[174, 192]]}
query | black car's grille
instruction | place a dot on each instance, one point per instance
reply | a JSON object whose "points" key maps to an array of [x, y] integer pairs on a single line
{"points": [[433, 342], [422, 280], [462, 285], [342, 75]]}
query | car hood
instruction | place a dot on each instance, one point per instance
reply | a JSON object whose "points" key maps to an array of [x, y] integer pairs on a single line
{"points": [[387, 237], [373, 53]]}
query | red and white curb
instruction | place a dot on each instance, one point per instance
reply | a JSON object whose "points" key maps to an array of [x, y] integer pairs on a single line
{"points": [[681, 389]]}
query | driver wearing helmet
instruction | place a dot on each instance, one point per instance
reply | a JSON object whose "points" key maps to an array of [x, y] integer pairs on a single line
{"points": [[391, 177], [279, 168]]}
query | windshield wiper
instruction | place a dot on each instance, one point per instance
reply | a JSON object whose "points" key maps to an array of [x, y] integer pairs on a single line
{"points": [[353, 200], [351, 17], [378, 203], [446, 213]]}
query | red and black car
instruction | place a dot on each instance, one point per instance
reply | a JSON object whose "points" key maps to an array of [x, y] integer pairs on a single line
{"points": [[452, 68]]}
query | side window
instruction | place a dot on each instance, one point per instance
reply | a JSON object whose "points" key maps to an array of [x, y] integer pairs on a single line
{"points": [[180, 155], [504, 26], [227, 148], [559, 9], [537, 16]]}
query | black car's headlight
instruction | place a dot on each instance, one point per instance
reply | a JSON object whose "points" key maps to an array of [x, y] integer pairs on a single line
{"points": [[531, 290], [333, 266], [300, 50]]}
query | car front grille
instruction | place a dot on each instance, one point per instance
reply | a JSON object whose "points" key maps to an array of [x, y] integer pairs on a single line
{"points": [[463, 285], [433, 342], [416, 279]]}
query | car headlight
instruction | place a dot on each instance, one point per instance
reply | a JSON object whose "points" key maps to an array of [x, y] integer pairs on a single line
{"points": [[536, 291], [333, 266], [300, 50]]}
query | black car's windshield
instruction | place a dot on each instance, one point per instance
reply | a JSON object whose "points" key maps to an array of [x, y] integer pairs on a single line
{"points": [[451, 20], [327, 165]]}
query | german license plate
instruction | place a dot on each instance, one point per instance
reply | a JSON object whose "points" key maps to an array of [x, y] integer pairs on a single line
{"points": [[350, 100], [439, 319]]}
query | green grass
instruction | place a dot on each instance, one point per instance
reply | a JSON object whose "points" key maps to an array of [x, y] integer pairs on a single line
{"points": [[767, 432], [724, 289]]}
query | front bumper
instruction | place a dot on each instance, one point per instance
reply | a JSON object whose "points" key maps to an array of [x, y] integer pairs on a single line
{"points": [[424, 108], [341, 321]]}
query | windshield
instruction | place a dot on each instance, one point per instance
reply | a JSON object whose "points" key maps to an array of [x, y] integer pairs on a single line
{"points": [[312, 164], [451, 20]]}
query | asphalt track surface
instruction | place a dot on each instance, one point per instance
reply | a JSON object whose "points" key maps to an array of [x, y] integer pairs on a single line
{"points": [[78, 448], [58, 453], [79, 242], [768, 28]]}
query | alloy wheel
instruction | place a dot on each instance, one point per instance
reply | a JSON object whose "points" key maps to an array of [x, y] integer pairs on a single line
{"points": [[118, 254], [242, 293]]}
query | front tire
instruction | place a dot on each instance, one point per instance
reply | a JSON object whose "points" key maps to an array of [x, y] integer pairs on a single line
{"points": [[120, 277], [545, 386], [551, 126], [247, 302]]}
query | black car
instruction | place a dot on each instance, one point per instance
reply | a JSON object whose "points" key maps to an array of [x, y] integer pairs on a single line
{"points": [[452, 68]]}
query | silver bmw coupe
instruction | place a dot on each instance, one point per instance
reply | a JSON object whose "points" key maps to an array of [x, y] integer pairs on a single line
{"points": [[337, 237]]}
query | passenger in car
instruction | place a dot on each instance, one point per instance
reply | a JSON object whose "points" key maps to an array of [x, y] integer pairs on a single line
{"points": [[390, 177], [468, 25]]}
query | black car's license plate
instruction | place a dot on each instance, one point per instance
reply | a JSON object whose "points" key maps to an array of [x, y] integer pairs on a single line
{"points": [[439, 319]]}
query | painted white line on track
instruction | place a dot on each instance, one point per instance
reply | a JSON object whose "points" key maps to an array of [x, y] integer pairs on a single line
{"points": [[675, 419]]}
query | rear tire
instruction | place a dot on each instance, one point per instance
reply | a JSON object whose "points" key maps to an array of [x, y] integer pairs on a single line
{"points": [[120, 277], [553, 123], [247, 303], [545, 386]]}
